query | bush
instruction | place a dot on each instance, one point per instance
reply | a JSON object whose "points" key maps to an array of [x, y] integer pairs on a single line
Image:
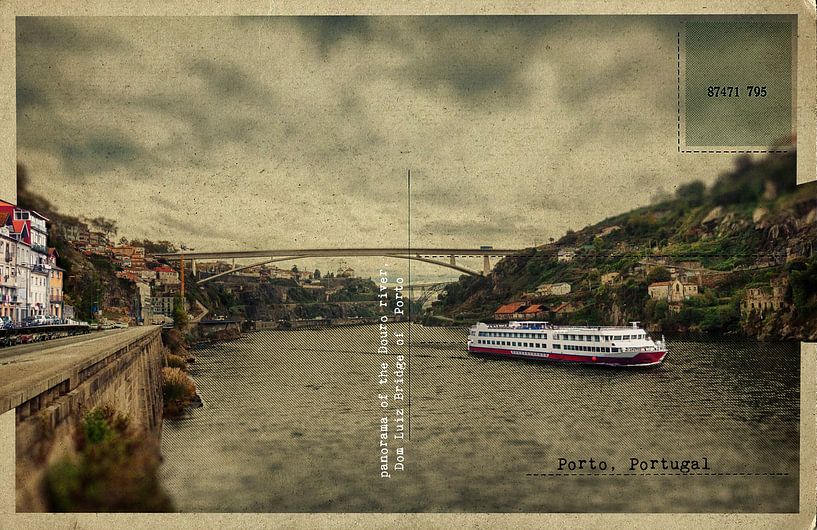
{"points": [[115, 469], [659, 274], [175, 361], [178, 390], [175, 341]]}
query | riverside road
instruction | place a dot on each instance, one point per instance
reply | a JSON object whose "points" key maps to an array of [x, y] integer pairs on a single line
{"points": [[29, 369]]}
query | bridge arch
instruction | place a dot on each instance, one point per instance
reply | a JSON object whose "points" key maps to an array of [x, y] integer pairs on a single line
{"points": [[439, 263]]}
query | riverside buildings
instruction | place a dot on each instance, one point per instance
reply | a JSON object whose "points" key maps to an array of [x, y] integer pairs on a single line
{"points": [[30, 280]]}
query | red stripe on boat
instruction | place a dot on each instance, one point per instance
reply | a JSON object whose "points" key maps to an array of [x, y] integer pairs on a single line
{"points": [[641, 359]]}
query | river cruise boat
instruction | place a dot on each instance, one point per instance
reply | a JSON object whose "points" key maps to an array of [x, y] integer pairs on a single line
{"points": [[606, 346]]}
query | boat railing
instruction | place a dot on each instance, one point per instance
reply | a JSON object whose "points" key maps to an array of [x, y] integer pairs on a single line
{"points": [[522, 325]]}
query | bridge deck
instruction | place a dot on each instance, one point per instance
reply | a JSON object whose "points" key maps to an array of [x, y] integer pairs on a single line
{"points": [[29, 370], [342, 252]]}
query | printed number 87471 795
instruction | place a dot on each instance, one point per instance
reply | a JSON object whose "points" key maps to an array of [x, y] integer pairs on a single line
{"points": [[734, 91]]}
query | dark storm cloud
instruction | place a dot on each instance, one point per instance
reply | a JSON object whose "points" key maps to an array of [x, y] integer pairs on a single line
{"points": [[57, 35], [30, 95], [227, 80], [329, 31], [584, 78], [206, 129], [94, 153], [491, 225], [477, 60], [197, 228], [308, 124], [42, 45]]}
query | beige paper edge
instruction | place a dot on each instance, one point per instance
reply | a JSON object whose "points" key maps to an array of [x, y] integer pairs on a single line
{"points": [[806, 97]]}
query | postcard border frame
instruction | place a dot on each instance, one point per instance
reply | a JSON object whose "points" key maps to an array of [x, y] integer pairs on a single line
{"points": [[806, 95]]}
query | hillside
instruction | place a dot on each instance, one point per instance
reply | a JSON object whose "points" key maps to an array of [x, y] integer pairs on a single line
{"points": [[90, 281], [752, 230]]}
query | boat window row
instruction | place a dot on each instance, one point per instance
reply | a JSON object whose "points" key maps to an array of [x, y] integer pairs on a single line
{"points": [[597, 338], [569, 347], [518, 335], [597, 349], [511, 343]]}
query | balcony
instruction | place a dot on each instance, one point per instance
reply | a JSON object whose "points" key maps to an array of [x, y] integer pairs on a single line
{"points": [[55, 299]]}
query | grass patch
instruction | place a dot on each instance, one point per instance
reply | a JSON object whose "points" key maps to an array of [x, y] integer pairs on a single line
{"points": [[178, 391]]}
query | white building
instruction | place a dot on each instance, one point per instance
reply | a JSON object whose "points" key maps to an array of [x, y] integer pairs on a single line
{"points": [[38, 301], [674, 291], [167, 276], [558, 289], [8, 273], [162, 305], [26, 261], [143, 303]]}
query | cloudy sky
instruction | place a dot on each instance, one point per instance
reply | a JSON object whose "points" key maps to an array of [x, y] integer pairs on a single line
{"points": [[282, 132]]}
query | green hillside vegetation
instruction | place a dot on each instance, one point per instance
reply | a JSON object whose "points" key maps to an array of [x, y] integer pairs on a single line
{"points": [[752, 226]]}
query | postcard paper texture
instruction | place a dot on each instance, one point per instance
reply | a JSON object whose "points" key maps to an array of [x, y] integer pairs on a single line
{"points": [[407, 265]]}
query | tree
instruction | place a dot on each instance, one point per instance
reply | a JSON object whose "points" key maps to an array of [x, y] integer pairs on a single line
{"points": [[692, 193], [569, 238], [157, 247], [659, 274], [108, 226], [179, 314], [294, 268], [317, 274]]}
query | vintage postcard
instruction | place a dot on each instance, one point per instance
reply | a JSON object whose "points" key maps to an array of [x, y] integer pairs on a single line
{"points": [[507, 267]]}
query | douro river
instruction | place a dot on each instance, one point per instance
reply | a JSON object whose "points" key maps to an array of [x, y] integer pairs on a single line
{"points": [[291, 423]]}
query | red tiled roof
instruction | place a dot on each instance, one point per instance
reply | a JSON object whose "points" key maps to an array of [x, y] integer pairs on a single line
{"points": [[660, 284], [561, 307], [164, 269], [509, 308], [535, 308]]}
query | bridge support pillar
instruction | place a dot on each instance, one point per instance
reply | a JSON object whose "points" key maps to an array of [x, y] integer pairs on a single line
{"points": [[453, 260], [486, 265]]}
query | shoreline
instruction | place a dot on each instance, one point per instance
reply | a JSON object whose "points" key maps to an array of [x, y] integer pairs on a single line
{"points": [[671, 335]]}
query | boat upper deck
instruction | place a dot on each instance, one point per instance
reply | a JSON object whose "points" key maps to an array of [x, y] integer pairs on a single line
{"points": [[532, 325]]}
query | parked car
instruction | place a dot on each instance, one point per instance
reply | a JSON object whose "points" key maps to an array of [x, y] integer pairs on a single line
{"points": [[6, 323], [39, 320]]}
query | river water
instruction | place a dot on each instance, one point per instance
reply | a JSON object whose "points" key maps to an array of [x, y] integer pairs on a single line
{"points": [[291, 424]]}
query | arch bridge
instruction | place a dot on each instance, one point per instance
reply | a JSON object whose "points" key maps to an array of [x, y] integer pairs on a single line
{"points": [[442, 257]]}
